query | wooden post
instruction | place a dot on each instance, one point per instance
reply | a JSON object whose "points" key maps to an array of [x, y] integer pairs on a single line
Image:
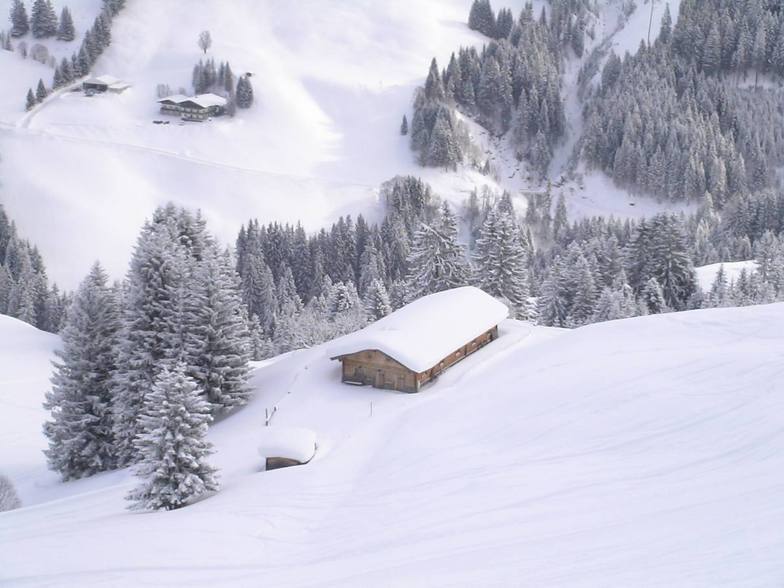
{"points": [[371, 408]]}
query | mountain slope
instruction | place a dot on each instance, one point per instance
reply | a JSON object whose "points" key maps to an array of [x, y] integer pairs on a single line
{"points": [[637, 452]]}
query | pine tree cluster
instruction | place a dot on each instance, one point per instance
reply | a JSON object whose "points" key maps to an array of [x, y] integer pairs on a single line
{"points": [[24, 287], [513, 84], [209, 78], [146, 364], [672, 108]]}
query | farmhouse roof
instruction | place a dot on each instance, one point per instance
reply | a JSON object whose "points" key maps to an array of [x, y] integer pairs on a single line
{"points": [[203, 100], [422, 333], [109, 82]]}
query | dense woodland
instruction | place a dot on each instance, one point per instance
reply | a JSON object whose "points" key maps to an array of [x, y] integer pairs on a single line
{"points": [[691, 104], [25, 292]]}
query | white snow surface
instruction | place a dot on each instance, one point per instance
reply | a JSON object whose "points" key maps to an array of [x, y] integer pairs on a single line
{"points": [[424, 332], [289, 442], [706, 274], [641, 452]]}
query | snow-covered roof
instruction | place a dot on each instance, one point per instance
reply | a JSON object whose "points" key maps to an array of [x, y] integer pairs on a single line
{"points": [[207, 100], [289, 442], [105, 80], [422, 333], [203, 100]]}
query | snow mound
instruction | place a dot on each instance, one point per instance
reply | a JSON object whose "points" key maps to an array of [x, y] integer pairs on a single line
{"points": [[422, 333], [289, 442], [706, 274]]}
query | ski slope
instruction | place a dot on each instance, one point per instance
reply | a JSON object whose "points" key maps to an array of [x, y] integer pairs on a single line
{"points": [[642, 452]]}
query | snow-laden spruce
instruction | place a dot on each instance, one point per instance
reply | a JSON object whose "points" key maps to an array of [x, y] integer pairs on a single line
{"points": [[171, 444], [437, 260], [501, 261], [80, 434], [218, 343], [183, 304]]}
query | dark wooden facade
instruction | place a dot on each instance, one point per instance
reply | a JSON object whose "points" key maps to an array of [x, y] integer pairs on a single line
{"points": [[375, 368]]}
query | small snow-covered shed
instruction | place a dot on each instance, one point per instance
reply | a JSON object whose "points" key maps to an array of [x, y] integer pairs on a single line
{"points": [[281, 447], [105, 84], [413, 345]]}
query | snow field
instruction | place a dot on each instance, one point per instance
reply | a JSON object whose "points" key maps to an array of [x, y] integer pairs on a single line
{"points": [[639, 452]]}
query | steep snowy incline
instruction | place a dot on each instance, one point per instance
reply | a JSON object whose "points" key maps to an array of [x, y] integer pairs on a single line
{"points": [[25, 365], [641, 452]]}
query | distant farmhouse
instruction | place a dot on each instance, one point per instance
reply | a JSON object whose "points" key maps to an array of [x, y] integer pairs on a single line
{"points": [[193, 108], [414, 345], [103, 84]]}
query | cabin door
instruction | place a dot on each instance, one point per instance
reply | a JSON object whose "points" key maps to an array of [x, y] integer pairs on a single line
{"points": [[380, 379]]}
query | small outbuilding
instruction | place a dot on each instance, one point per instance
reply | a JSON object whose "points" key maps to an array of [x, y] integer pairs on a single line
{"points": [[103, 84], [193, 108], [414, 345], [282, 447]]}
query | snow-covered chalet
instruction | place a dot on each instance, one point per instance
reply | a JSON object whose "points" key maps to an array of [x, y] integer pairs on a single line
{"points": [[413, 345]]}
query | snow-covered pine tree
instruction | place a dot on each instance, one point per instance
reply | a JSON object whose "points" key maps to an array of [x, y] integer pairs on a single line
{"points": [[653, 298], [437, 261], [172, 445], [218, 343], [30, 101], [482, 18], [40, 92], [584, 293], [377, 301], [553, 304], [152, 330], [44, 19], [80, 434], [244, 94], [501, 262], [404, 126], [66, 30], [20, 23]]}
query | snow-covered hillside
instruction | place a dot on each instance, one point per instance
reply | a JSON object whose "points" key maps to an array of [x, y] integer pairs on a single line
{"points": [[25, 365], [640, 452], [332, 83]]}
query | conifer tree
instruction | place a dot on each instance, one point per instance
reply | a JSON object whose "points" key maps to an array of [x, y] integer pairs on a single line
{"points": [[377, 301], [501, 262], [30, 100], [44, 20], [172, 445], [81, 439], [218, 343], [20, 24], [66, 31], [404, 126], [41, 92], [152, 332], [653, 297], [244, 94], [437, 261]]}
